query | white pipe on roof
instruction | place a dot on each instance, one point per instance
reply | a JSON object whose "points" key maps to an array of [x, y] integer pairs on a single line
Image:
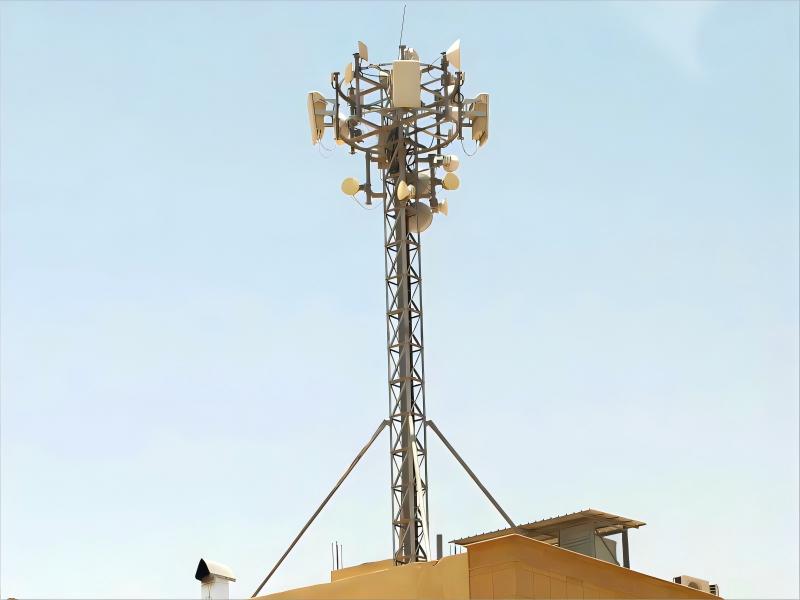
{"points": [[214, 579]]}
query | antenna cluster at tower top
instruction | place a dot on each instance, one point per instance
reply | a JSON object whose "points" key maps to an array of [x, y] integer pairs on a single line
{"points": [[402, 115]]}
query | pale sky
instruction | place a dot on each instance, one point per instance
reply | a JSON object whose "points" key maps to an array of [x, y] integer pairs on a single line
{"points": [[193, 328]]}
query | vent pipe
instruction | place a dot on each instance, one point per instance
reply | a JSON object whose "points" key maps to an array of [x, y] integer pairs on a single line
{"points": [[214, 578]]}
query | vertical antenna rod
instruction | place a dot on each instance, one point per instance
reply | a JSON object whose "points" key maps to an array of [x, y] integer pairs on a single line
{"points": [[402, 24]]}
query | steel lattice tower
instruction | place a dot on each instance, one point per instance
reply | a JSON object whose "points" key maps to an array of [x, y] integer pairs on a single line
{"points": [[401, 115]]}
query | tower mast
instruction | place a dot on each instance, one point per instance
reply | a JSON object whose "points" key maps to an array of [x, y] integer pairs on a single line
{"points": [[407, 439], [401, 115]]}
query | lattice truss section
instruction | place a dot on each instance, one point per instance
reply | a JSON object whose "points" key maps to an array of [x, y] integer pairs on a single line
{"points": [[408, 440]]}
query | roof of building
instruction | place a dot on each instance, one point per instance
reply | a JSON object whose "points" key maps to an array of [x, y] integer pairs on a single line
{"points": [[546, 530]]}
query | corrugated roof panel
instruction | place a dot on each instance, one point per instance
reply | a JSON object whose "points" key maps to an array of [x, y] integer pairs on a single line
{"points": [[546, 530]]}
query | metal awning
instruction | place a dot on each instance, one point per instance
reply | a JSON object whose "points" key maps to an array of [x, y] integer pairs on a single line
{"points": [[546, 530]]}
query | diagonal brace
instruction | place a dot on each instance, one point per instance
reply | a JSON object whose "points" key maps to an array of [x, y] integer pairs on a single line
{"points": [[324, 502], [471, 474]]}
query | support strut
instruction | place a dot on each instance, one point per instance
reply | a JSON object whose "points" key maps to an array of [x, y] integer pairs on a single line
{"points": [[471, 474], [363, 451]]}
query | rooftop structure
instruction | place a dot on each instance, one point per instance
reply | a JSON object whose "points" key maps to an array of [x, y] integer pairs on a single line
{"points": [[583, 532], [501, 567]]}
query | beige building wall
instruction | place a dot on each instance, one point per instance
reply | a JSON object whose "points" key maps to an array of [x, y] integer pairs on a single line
{"points": [[512, 566], [446, 579], [515, 566]]}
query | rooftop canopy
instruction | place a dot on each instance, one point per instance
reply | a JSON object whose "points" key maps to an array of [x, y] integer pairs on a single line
{"points": [[547, 530]]}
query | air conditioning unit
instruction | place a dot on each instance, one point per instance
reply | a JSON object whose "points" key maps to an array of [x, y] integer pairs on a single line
{"points": [[714, 589], [693, 582]]}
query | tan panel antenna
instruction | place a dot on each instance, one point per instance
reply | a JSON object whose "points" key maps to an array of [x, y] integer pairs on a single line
{"points": [[344, 130], [453, 54], [316, 121], [348, 73], [406, 82], [363, 51], [480, 124]]}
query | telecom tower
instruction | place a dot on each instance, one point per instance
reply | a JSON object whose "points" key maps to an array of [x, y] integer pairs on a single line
{"points": [[401, 115]]}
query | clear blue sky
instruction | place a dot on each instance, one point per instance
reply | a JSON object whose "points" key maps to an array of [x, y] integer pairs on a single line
{"points": [[192, 313]]}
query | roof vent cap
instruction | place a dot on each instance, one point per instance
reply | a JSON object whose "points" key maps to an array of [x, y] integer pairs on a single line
{"points": [[214, 578]]}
